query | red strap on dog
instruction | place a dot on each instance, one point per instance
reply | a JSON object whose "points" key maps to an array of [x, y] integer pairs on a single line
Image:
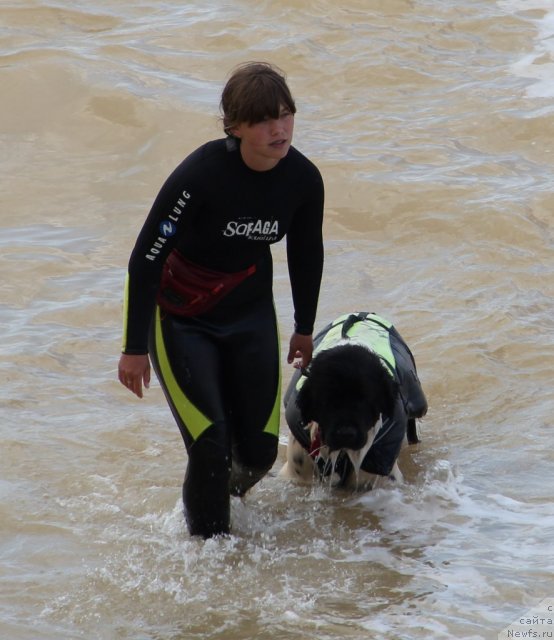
{"points": [[315, 446]]}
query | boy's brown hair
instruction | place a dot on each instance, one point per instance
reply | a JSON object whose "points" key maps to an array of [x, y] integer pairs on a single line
{"points": [[255, 91]]}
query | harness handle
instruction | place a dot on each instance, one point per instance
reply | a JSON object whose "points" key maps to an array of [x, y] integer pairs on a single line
{"points": [[350, 322]]}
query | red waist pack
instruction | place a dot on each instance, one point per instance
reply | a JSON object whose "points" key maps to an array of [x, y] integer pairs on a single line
{"points": [[188, 289]]}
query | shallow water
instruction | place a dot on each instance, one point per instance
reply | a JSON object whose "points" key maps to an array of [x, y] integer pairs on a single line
{"points": [[433, 126]]}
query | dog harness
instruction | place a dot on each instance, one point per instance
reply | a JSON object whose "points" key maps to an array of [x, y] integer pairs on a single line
{"points": [[367, 329]]}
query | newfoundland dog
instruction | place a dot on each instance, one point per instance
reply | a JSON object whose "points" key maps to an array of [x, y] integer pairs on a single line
{"points": [[351, 410]]}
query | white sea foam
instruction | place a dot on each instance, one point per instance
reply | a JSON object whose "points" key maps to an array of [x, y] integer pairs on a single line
{"points": [[313, 548], [537, 64]]}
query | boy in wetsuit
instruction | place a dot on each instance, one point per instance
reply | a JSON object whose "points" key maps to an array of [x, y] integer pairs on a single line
{"points": [[198, 293]]}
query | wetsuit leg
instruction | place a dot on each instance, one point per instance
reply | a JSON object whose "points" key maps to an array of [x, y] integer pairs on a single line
{"points": [[188, 364], [221, 381], [254, 384]]}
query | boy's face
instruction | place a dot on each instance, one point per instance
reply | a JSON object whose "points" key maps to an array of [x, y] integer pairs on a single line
{"points": [[264, 143]]}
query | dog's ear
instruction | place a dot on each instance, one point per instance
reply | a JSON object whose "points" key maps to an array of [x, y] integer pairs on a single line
{"points": [[305, 402], [380, 386]]}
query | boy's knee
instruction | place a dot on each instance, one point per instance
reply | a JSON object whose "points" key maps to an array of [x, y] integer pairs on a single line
{"points": [[257, 453], [250, 464]]}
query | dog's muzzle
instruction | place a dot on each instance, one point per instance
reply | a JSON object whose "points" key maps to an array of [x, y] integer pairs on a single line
{"points": [[345, 437]]}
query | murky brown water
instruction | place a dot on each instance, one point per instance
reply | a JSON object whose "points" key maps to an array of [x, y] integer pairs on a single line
{"points": [[433, 125]]}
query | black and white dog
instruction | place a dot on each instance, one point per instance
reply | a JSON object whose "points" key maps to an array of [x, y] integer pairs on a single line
{"points": [[351, 411]]}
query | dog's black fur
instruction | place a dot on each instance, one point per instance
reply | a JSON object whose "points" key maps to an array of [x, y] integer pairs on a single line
{"points": [[346, 391]]}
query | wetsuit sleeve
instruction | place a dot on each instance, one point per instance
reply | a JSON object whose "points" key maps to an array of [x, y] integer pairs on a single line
{"points": [[305, 255], [163, 227]]}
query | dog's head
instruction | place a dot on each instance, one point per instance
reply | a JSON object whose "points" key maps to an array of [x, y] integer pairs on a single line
{"points": [[346, 391]]}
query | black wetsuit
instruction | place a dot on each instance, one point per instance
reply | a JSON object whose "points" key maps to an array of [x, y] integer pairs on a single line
{"points": [[220, 370]]}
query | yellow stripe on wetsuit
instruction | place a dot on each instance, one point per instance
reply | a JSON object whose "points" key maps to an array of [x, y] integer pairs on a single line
{"points": [[125, 311], [272, 425], [196, 422]]}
